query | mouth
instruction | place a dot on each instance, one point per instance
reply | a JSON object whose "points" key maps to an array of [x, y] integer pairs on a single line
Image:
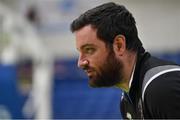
{"points": [[89, 73]]}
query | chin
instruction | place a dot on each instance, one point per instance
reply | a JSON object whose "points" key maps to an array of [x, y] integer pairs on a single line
{"points": [[92, 83]]}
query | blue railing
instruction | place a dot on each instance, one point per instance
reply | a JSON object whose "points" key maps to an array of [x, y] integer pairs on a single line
{"points": [[71, 97]]}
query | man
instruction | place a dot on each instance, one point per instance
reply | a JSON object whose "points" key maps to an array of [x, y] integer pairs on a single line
{"points": [[111, 54]]}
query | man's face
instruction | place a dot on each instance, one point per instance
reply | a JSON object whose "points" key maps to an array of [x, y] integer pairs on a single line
{"points": [[96, 59]]}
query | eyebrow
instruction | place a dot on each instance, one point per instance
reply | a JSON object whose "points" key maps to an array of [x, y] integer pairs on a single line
{"points": [[86, 45]]}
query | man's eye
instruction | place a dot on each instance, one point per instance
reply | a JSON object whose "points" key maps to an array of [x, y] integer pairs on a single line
{"points": [[89, 50]]}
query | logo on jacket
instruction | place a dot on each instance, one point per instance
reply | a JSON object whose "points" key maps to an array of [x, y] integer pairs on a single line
{"points": [[128, 116]]}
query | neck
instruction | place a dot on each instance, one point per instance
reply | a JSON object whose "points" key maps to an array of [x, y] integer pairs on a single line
{"points": [[129, 66], [122, 86]]}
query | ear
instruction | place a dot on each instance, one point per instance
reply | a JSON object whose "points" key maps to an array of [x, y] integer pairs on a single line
{"points": [[119, 44]]}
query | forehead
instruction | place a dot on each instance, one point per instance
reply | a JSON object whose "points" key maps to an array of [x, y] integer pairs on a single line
{"points": [[87, 36]]}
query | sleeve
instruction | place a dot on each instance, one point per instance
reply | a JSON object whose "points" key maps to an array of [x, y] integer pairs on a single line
{"points": [[162, 97]]}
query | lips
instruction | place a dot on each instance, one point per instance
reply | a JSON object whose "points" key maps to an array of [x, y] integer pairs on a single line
{"points": [[89, 73]]}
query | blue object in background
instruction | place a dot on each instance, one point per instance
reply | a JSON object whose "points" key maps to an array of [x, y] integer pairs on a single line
{"points": [[71, 97], [11, 102], [75, 99], [175, 57]]}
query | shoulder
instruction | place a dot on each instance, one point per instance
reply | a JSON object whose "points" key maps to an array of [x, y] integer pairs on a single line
{"points": [[152, 62], [164, 83], [162, 95]]}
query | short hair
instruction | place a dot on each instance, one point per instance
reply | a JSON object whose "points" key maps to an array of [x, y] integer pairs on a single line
{"points": [[110, 20]]}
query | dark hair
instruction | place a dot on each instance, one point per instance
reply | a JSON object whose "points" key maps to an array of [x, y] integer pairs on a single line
{"points": [[110, 20]]}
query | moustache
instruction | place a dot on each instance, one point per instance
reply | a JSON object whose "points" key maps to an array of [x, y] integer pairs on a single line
{"points": [[87, 68]]}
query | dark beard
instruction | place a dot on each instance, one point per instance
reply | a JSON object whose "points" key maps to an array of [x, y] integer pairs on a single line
{"points": [[110, 73]]}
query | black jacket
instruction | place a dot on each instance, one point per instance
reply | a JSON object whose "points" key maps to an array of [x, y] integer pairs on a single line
{"points": [[161, 98]]}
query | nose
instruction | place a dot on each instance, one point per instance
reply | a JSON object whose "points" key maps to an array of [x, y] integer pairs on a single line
{"points": [[82, 63]]}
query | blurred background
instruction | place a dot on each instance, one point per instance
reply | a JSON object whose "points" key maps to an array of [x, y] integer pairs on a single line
{"points": [[38, 73]]}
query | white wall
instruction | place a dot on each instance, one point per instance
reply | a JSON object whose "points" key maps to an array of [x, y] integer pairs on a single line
{"points": [[158, 22]]}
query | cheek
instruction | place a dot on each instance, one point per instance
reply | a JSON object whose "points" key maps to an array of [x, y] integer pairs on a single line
{"points": [[97, 63], [98, 59]]}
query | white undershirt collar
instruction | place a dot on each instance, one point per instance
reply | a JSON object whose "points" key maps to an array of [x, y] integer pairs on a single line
{"points": [[132, 76]]}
